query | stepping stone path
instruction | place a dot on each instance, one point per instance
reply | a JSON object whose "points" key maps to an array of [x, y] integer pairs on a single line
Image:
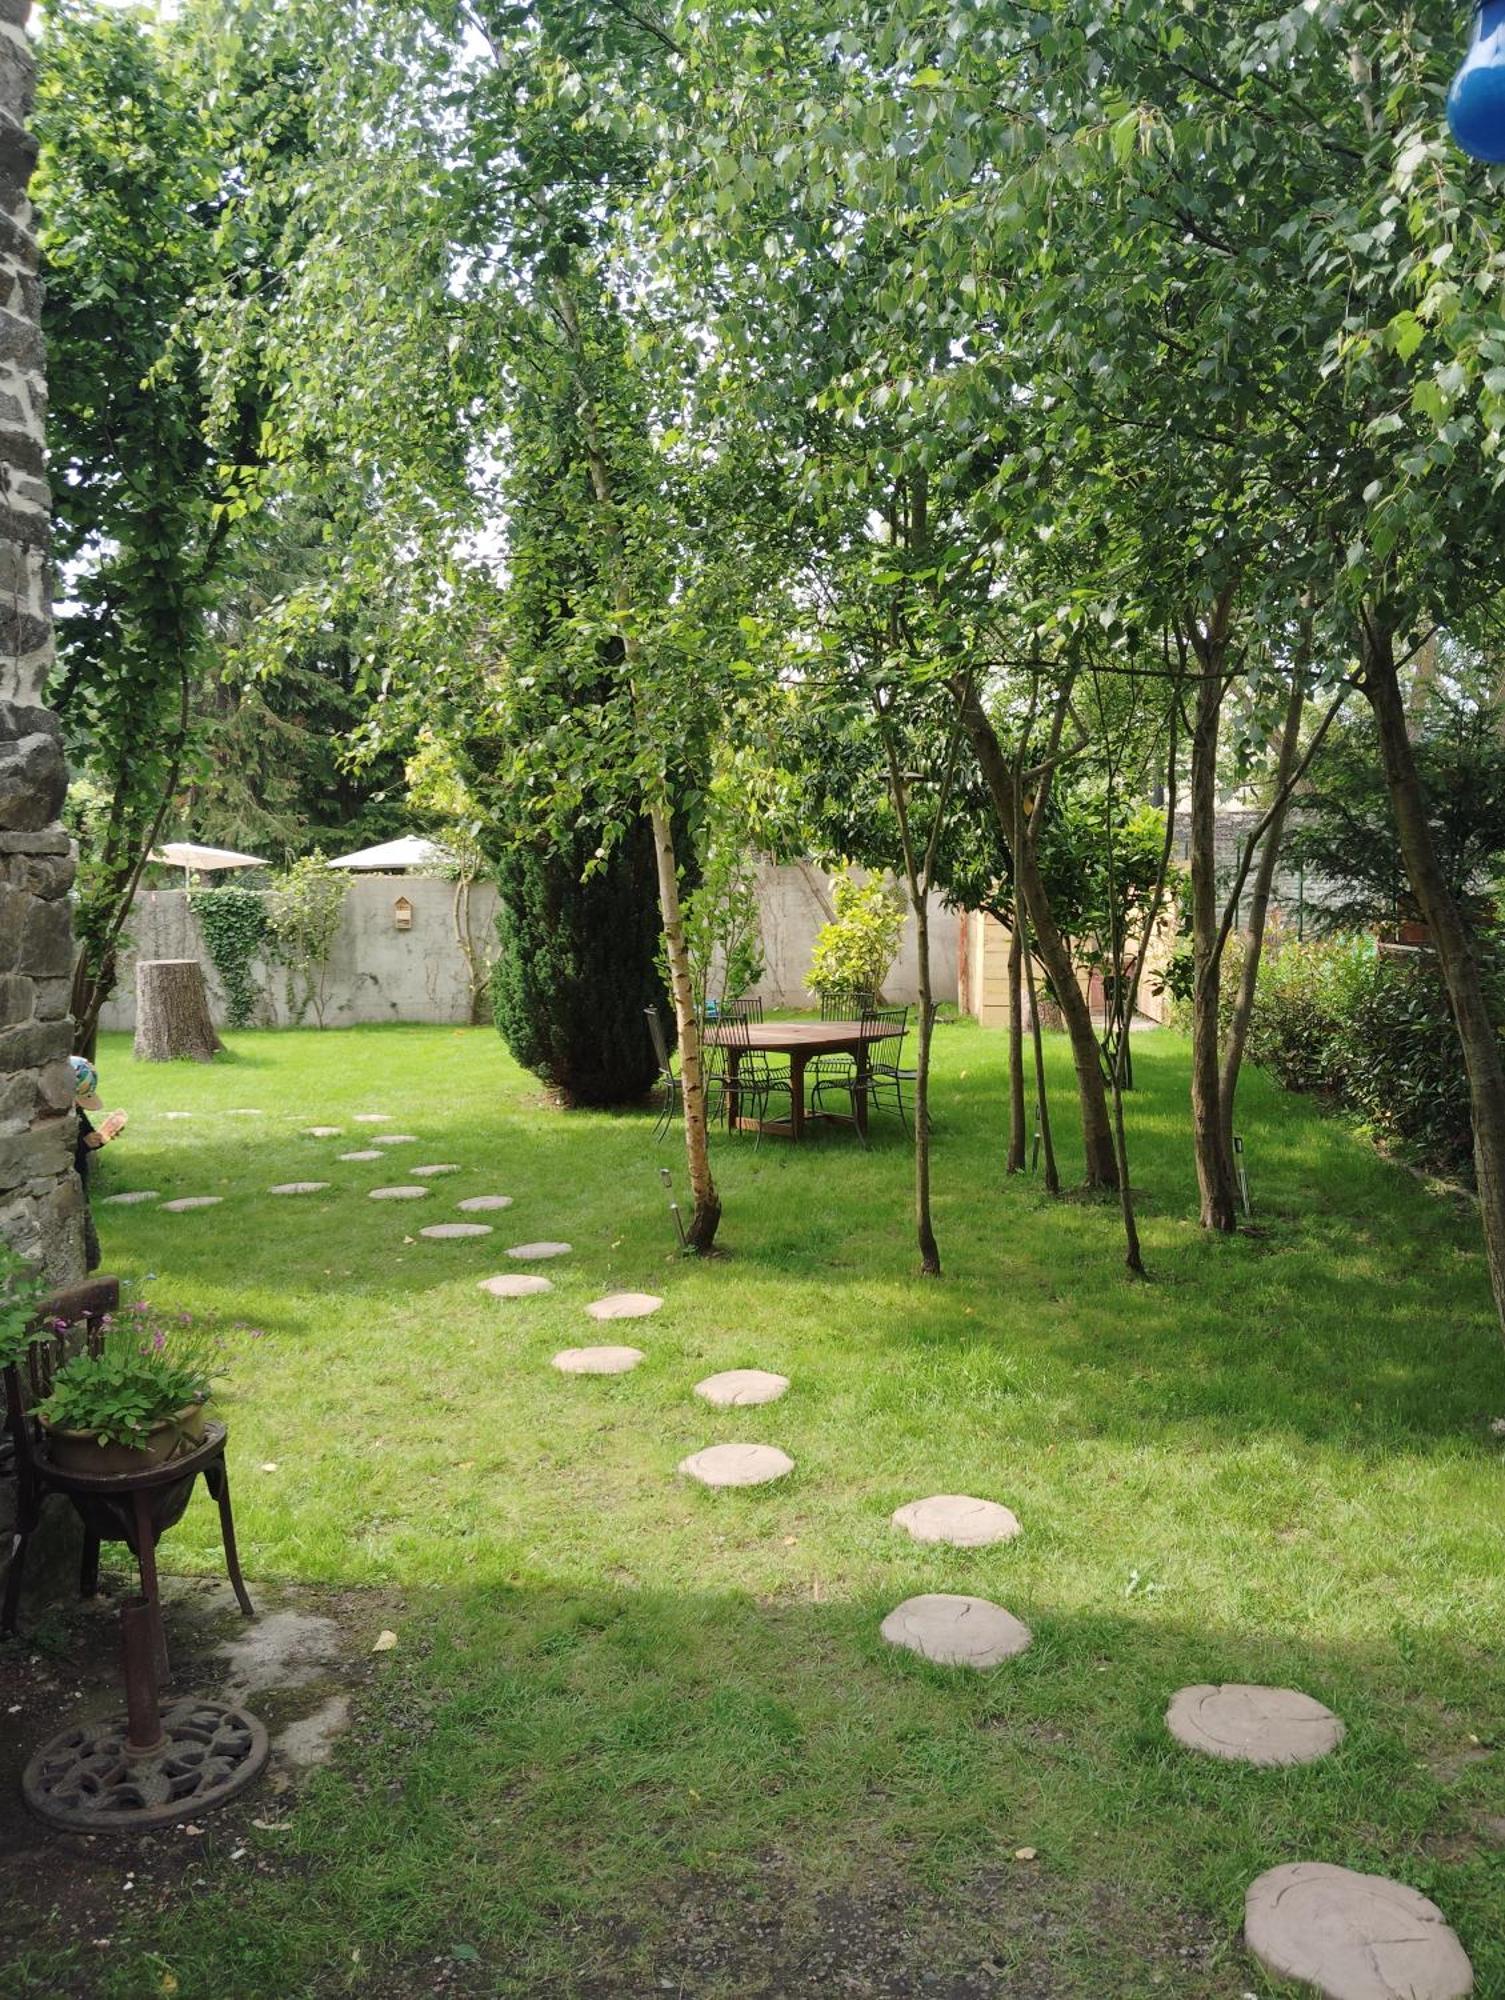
{"points": [[737, 1465], [324, 1131], [742, 1388], [624, 1305], [597, 1360], [193, 1201], [299, 1187], [1353, 1937], [394, 1138], [369, 1154], [956, 1631], [443, 1232], [1253, 1725], [515, 1285], [128, 1200], [958, 1519], [398, 1193], [427, 1173], [483, 1203], [373, 1117], [534, 1253]]}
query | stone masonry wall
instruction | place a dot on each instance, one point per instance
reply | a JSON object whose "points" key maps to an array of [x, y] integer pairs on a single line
{"points": [[41, 1208]]}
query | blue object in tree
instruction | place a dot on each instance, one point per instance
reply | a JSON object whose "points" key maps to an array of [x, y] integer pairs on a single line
{"points": [[1476, 100]]}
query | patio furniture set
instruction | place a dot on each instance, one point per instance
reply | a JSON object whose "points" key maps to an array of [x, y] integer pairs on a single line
{"points": [[779, 1076]]}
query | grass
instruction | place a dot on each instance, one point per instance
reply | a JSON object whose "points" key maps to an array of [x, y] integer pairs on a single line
{"points": [[638, 1736]]}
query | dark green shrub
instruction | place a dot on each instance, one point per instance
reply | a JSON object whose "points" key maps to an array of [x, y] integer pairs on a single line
{"points": [[1374, 1031], [578, 965]]}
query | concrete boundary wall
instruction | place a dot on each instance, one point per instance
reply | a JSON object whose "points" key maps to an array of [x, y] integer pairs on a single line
{"points": [[378, 972]]}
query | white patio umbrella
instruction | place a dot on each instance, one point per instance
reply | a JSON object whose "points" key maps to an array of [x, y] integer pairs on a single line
{"points": [[394, 857], [194, 859]]}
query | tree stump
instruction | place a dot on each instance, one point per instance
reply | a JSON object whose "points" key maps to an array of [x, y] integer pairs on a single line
{"points": [[172, 1012]]}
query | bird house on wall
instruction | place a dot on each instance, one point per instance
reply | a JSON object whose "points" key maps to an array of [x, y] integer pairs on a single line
{"points": [[402, 914]]}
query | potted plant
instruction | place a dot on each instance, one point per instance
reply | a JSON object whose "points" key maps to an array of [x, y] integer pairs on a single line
{"points": [[135, 1402]]}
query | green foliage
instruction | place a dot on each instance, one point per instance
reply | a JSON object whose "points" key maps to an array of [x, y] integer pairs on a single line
{"points": [[1374, 1031], [723, 927], [20, 1289], [579, 963], [141, 188], [235, 927], [303, 913], [150, 1366], [853, 953], [1345, 830]]}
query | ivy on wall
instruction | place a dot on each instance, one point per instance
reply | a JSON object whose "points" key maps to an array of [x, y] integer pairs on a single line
{"points": [[233, 922]]}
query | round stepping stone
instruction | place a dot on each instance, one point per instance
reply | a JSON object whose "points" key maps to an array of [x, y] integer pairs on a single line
{"points": [[398, 1193], [597, 1360], [479, 1204], [246, 1111], [127, 1200], [515, 1285], [624, 1305], [324, 1131], [1253, 1725], [427, 1173], [737, 1465], [958, 1519], [370, 1153], [1353, 1937], [193, 1201], [373, 1117], [394, 1138], [177, 1114], [741, 1388], [299, 1187], [956, 1631], [443, 1232], [533, 1253]]}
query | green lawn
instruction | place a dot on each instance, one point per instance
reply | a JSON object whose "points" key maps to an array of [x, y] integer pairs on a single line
{"points": [[633, 1731]]}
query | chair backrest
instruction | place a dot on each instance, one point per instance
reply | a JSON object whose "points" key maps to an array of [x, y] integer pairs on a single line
{"points": [[848, 1004], [660, 1041], [72, 1319], [741, 1010], [885, 1050], [733, 1031]]}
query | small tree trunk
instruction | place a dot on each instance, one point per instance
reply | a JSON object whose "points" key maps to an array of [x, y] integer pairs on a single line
{"points": [[1455, 952], [1018, 1127], [1097, 1129], [1042, 1100], [706, 1215], [172, 1012], [1214, 1161], [1259, 912], [930, 1253]]}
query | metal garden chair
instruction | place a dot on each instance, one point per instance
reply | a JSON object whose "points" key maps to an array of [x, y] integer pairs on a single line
{"points": [[755, 1077]]}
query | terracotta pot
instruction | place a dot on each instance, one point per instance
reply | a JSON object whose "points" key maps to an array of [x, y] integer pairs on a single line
{"points": [[81, 1451]]}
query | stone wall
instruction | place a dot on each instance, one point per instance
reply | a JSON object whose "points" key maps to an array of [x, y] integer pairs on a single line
{"points": [[378, 972], [41, 1210]]}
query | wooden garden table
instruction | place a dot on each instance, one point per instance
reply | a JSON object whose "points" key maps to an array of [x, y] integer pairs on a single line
{"points": [[801, 1042]]}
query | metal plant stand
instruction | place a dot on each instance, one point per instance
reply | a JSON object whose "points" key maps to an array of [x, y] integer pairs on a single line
{"points": [[164, 1761]]}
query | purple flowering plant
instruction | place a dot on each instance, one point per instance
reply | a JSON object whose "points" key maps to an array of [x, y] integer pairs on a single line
{"points": [[146, 1368]]}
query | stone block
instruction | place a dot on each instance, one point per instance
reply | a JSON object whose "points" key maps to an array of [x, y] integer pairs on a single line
{"points": [[33, 1044], [46, 939], [33, 776]]}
